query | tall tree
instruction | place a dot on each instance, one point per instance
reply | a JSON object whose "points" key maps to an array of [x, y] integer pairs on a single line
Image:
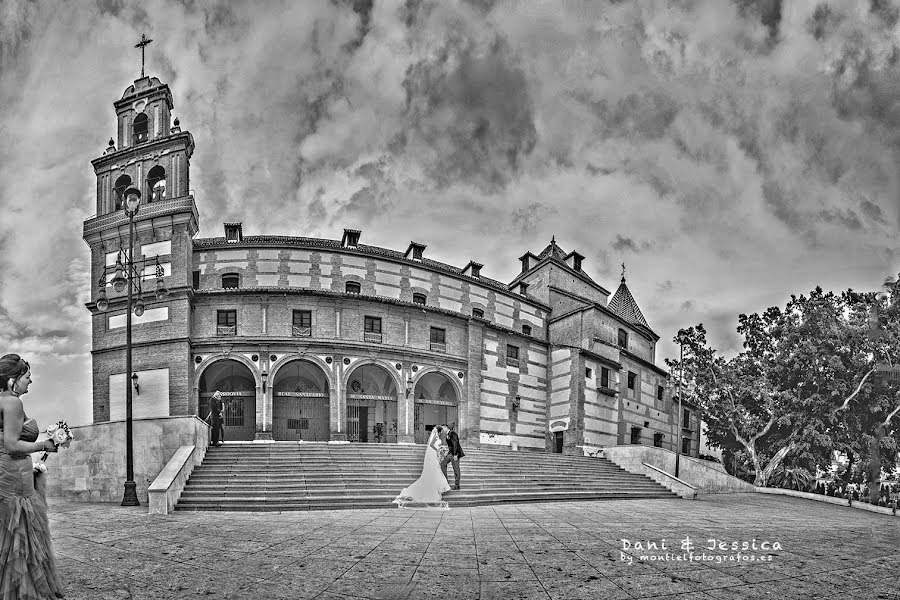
{"points": [[782, 393]]}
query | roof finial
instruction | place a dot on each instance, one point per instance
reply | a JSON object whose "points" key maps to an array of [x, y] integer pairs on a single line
{"points": [[623, 272], [144, 41], [553, 240]]}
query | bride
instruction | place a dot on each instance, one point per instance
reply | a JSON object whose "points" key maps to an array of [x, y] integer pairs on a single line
{"points": [[431, 484]]}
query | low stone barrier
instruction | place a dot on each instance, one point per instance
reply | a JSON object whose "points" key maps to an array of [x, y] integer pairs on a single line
{"points": [[706, 477], [92, 468], [884, 510], [165, 490]]}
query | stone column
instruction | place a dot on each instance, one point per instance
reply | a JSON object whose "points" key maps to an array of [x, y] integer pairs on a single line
{"points": [[406, 412], [261, 432], [337, 403]]}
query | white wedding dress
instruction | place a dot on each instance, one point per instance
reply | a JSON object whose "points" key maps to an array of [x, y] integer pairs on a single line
{"points": [[427, 490]]}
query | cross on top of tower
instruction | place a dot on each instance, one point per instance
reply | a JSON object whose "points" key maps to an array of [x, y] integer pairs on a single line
{"points": [[623, 272], [144, 41]]}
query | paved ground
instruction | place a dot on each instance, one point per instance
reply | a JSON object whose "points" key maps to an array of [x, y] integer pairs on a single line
{"points": [[561, 550]]}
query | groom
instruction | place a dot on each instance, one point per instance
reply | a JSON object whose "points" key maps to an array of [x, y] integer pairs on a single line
{"points": [[455, 452]]}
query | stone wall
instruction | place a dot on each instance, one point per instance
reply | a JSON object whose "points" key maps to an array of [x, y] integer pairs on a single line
{"points": [[93, 467]]}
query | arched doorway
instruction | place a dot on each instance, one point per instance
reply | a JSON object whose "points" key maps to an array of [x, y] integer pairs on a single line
{"points": [[371, 405], [238, 387], [300, 403], [436, 404]]}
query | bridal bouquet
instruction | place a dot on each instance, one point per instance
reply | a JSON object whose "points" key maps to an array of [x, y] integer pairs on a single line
{"points": [[61, 436]]}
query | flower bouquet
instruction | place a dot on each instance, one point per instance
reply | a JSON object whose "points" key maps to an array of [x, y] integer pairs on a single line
{"points": [[61, 436]]}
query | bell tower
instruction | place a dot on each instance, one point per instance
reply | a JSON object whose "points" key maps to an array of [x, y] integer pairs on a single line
{"points": [[151, 154]]}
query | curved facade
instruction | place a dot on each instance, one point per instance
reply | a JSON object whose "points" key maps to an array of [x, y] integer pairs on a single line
{"points": [[331, 340]]}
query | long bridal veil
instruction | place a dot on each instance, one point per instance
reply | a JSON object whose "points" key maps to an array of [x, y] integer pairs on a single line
{"points": [[430, 486]]}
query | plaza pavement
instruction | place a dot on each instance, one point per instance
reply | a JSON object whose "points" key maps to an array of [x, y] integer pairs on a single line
{"points": [[565, 550]]}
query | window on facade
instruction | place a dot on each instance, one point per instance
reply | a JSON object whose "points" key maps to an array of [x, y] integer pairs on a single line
{"points": [[686, 446], [588, 373], [226, 322], [659, 392], [635, 435], [419, 298], [140, 128], [526, 329], [156, 182], [372, 329], [302, 323], [604, 377], [623, 339], [122, 184], [512, 355], [477, 312], [686, 419], [195, 280], [632, 377], [438, 339], [657, 440], [231, 281], [352, 288]]}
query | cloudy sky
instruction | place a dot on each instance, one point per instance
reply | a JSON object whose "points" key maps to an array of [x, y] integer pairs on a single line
{"points": [[730, 153]]}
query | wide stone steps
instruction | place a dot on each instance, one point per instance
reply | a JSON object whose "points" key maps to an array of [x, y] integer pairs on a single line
{"points": [[285, 476]]}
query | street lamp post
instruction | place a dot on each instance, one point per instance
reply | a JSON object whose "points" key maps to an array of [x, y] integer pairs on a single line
{"points": [[132, 204], [682, 335], [127, 275]]}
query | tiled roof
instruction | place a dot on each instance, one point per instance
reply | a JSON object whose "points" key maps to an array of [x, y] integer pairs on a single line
{"points": [[623, 304], [553, 251], [306, 242]]}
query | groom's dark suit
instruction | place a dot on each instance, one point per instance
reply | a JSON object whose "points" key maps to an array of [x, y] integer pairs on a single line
{"points": [[455, 452]]}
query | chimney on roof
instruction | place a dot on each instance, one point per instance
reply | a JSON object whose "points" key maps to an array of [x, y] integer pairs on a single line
{"points": [[473, 269], [233, 232], [415, 251], [351, 238], [574, 260]]}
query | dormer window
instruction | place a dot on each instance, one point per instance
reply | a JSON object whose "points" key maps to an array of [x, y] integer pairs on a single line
{"points": [[419, 299], [156, 182], [231, 281], [526, 329], [352, 288], [577, 263], [233, 233], [473, 269], [523, 288], [140, 127], [477, 312], [350, 239], [415, 251]]}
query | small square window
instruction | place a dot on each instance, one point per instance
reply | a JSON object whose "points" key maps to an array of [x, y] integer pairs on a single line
{"points": [[588, 373], [226, 322], [419, 298], [632, 377], [512, 351], [526, 329], [635, 435], [352, 287], [302, 323], [657, 440], [372, 324], [438, 335], [477, 312]]}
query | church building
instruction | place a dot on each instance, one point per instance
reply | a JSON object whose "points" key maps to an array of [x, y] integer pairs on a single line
{"points": [[315, 339]]}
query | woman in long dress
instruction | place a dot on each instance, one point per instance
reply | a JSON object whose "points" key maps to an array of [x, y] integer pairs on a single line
{"points": [[27, 568], [430, 485]]}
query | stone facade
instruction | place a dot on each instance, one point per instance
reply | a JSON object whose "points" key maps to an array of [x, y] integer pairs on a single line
{"points": [[327, 339]]}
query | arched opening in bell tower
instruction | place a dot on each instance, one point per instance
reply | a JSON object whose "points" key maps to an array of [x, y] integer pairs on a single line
{"points": [[140, 129], [122, 184], [156, 184]]}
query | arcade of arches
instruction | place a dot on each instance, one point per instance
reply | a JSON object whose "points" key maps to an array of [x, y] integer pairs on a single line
{"points": [[301, 402]]}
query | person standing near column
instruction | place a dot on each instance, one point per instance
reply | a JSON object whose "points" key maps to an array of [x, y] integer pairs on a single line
{"points": [[214, 418]]}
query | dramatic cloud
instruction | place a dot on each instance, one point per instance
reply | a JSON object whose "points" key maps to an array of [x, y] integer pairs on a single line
{"points": [[730, 153]]}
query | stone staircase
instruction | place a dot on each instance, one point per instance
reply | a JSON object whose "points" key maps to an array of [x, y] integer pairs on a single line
{"points": [[284, 476]]}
